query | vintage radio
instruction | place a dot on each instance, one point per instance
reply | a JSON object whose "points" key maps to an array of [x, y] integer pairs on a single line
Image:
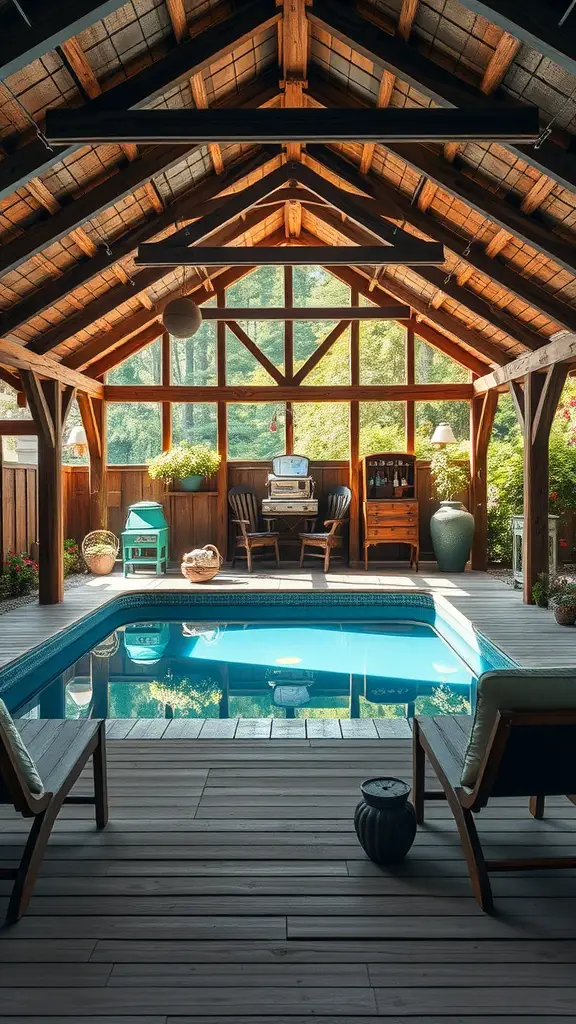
{"points": [[290, 488]]}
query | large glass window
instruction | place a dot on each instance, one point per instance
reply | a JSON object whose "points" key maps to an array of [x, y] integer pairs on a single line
{"points": [[382, 352], [433, 366], [69, 456], [194, 422], [430, 414], [322, 429], [244, 368], [143, 367], [256, 431], [134, 432], [194, 359], [314, 286], [334, 367], [263, 287], [382, 427], [10, 410]]}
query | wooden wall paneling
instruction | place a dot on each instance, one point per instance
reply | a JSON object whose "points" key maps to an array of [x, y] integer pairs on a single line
{"points": [[76, 502], [354, 514]]}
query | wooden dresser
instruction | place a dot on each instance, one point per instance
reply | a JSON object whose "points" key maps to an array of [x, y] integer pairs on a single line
{"points": [[389, 502]]}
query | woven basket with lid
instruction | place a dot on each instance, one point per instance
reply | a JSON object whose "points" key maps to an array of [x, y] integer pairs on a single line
{"points": [[202, 572]]}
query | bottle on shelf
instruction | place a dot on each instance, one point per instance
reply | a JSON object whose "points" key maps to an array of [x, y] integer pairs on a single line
{"points": [[378, 480]]}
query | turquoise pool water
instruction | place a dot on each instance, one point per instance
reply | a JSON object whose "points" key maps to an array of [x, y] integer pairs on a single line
{"points": [[322, 656]]}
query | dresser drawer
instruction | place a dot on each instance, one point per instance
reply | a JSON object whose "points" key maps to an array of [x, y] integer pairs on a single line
{"points": [[393, 534], [393, 519], [392, 509]]}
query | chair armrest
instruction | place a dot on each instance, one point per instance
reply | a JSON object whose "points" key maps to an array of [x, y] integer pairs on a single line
{"points": [[240, 521], [328, 522]]}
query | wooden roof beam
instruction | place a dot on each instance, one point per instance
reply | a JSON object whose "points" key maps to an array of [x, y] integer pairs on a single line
{"points": [[186, 206], [191, 57], [406, 18], [561, 349], [500, 62], [162, 254], [384, 96], [431, 80], [294, 60], [52, 24], [22, 358], [526, 289], [289, 393], [535, 23]]}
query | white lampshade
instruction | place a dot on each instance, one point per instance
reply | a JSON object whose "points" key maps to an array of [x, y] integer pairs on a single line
{"points": [[77, 436], [81, 693], [182, 318], [443, 434]]}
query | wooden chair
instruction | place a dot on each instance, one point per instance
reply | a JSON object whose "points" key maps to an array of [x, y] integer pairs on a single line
{"points": [[60, 750], [528, 752], [244, 504], [336, 511]]}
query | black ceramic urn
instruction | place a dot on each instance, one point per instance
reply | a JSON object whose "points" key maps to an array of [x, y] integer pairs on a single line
{"points": [[385, 821]]}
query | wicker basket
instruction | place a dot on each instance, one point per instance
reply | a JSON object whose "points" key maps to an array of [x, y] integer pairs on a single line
{"points": [[100, 564], [202, 573]]}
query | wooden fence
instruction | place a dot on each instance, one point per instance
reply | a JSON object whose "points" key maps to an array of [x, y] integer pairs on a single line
{"points": [[192, 517]]}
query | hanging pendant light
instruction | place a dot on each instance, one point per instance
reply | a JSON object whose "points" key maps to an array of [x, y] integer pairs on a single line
{"points": [[182, 318], [78, 441]]}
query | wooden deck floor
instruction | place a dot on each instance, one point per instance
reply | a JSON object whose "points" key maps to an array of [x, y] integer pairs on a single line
{"points": [[527, 634], [229, 888]]}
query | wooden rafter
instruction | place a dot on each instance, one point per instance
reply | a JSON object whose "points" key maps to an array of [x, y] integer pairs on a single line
{"points": [[191, 57], [527, 290], [429, 78], [499, 63], [23, 359], [198, 89], [384, 95], [535, 23], [562, 349], [406, 17], [457, 184], [294, 60]]}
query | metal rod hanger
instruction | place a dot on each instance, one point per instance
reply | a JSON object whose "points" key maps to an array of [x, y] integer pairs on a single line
{"points": [[389, 124]]}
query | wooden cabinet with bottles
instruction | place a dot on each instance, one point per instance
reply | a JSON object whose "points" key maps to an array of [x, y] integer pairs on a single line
{"points": [[389, 502]]}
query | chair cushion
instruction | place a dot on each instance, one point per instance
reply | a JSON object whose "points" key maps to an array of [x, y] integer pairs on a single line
{"points": [[522, 689], [263, 533], [313, 536], [21, 753]]}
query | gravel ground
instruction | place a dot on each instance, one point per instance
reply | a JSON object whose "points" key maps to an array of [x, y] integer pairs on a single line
{"points": [[567, 570], [76, 580]]}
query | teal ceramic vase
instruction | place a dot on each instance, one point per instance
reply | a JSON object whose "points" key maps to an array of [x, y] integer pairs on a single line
{"points": [[191, 483], [452, 530]]}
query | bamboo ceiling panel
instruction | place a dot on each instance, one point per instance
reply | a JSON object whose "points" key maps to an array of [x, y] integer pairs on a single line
{"points": [[132, 34]]}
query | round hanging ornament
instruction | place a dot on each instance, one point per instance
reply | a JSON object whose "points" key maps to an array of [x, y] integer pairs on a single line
{"points": [[182, 318]]}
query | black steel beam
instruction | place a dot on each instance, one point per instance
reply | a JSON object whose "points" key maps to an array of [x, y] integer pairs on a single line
{"points": [[189, 58], [392, 124], [47, 25], [431, 80], [162, 254], [383, 312], [541, 25]]}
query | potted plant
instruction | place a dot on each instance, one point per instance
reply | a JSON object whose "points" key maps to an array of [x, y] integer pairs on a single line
{"points": [[452, 526], [100, 550], [562, 600], [187, 463]]}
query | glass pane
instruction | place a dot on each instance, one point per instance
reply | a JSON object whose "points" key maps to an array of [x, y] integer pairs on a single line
{"points": [[322, 429], [433, 366], [194, 422], [382, 352], [334, 367], [144, 367], [194, 359], [241, 366], [382, 427], [314, 286], [256, 431], [69, 456], [10, 410], [263, 287], [134, 432], [430, 414]]}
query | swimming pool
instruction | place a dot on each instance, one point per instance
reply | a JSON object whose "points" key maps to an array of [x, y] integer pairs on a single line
{"points": [[255, 656]]}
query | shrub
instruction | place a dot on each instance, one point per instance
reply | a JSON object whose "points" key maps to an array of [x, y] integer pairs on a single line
{"points": [[448, 475], [19, 576], [184, 460], [73, 561]]}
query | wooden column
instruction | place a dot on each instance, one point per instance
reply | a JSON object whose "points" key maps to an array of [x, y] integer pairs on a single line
{"points": [[541, 396], [354, 520], [410, 408], [93, 413], [222, 423], [482, 412], [49, 403], [166, 380], [289, 356]]}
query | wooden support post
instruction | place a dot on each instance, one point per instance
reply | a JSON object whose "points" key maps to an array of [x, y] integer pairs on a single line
{"points": [[2, 548], [354, 515], [410, 408], [166, 380], [541, 397], [289, 356], [45, 400], [93, 413], [482, 412], [222, 424]]}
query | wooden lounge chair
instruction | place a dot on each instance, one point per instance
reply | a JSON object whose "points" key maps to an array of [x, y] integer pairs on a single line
{"points": [[520, 742], [244, 504], [336, 512], [59, 751]]}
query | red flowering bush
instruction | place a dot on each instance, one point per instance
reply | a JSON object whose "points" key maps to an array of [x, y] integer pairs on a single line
{"points": [[19, 576], [73, 561]]}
